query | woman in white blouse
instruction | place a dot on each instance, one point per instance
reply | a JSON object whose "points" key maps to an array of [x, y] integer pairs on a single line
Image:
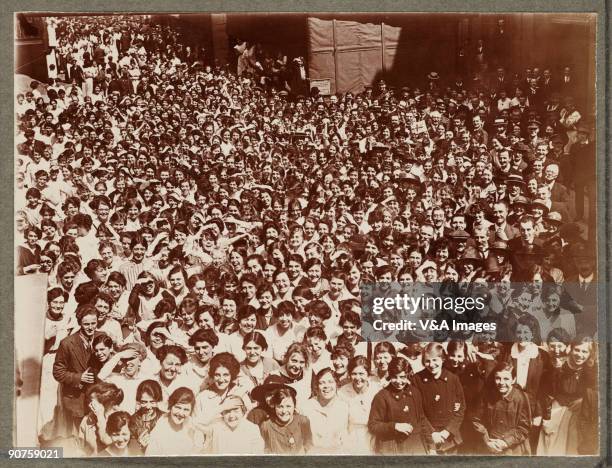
{"points": [[328, 415], [174, 433], [235, 434], [223, 373], [358, 394]]}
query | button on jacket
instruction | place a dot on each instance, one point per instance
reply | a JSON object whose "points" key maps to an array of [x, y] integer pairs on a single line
{"points": [[507, 418], [293, 439], [391, 406], [443, 401]]}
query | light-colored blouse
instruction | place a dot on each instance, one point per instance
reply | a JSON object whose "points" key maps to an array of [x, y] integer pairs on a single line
{"points": [[329, 425]]}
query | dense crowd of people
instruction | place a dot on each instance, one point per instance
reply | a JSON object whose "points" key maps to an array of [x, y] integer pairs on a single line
{"points": [[205, 235]]}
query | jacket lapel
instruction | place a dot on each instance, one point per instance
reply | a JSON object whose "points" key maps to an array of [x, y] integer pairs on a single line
{"points": [[79, 352]]}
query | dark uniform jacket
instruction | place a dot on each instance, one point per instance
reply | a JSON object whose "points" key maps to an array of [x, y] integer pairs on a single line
{"points": [[391, 406], [538, 367], [507, 418], [443, 403], [294, 438], [566, 385]]}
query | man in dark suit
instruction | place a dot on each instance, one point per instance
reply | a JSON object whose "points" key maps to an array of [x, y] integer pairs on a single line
{"points": [[581, 288], [501, 229], [558, 192], [74, 73], [582, 162], [525, 249], [501, 81], [547, 84], [567, 83], [479, 133], [297, 77], [534, 94], [72, 369]]}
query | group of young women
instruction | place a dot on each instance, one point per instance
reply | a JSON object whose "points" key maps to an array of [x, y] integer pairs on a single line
{"points": [[205, 240]]}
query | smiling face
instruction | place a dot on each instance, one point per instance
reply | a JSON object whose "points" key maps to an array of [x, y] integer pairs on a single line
{"points": [[524, 333], [107, 256], [89, 324], [552, 302], [222, 378], [579, 354], [138, 252], [315, 346], [314, 273], [433, 363], [247, 324], [359, 378], [56, 307], [253, 352], [228, 308], [177, 281], [206, 321], [131, 367], [284, 321], [340, 363], [457, 357], [232, 417], [188, 317], [103, 309], [382, 360], [157, 340], [327, 387], [170, 367], [102, 352], [504, 382], [399, 381], [147, 403], [121, 438], [282, 283], [295, 365], [179, 413], [284, 410]]}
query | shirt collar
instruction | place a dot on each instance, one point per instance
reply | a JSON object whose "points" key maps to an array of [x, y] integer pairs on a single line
{"points": [[86, 342], [530, 352], [585, 279]]}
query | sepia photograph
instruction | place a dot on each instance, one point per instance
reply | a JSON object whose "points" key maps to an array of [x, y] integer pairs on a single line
{"points": [[332, 233]]}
